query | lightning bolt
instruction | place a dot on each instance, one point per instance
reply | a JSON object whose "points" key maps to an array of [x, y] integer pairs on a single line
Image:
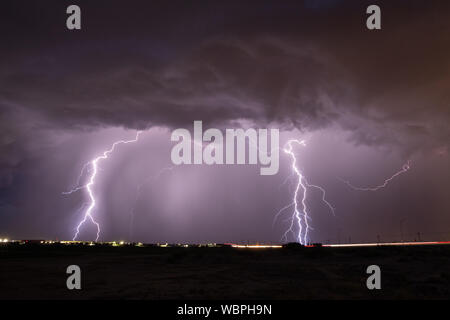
{"points": [[92, 168], [300, 215], [404, 168], [322, 190]]}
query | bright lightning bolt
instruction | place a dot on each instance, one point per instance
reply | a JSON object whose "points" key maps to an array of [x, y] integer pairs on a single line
{"points": [[297, 215], [93, 170], [300, 214], [405, 168]]}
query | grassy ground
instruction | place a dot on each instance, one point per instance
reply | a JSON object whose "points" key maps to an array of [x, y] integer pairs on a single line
{"points": [[38, 272]]}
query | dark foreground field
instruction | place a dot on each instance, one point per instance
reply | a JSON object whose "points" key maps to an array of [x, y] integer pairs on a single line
{"points": [[224, 273]]}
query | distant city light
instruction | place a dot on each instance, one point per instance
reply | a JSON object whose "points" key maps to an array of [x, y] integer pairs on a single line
{"points": [[215, 245]]}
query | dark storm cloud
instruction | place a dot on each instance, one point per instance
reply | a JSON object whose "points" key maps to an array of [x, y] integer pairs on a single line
{"points": [[224, 79], [304, 70]]}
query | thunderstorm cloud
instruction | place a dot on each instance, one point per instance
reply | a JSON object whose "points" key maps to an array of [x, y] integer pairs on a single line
{"points": [[309, 66]]}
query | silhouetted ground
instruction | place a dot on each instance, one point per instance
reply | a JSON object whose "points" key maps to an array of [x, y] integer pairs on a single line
{"points": [[39, 272]]}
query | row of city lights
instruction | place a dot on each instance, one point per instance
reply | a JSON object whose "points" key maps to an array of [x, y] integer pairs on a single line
{"points": [[110, 243], [233, 245]]}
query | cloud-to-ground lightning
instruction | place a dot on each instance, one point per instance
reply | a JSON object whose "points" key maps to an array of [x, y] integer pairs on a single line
{"points": [[404, 168], [299, 220], [300, 215], [92, 169], [297, 216]]}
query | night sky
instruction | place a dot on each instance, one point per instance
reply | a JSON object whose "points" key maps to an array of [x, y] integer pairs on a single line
{"points": [[365, 101]]}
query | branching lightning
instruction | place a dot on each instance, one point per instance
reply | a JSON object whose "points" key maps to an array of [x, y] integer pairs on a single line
{"points": [[405, 168], [77, 185], [299, 220], [92, 169]]}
